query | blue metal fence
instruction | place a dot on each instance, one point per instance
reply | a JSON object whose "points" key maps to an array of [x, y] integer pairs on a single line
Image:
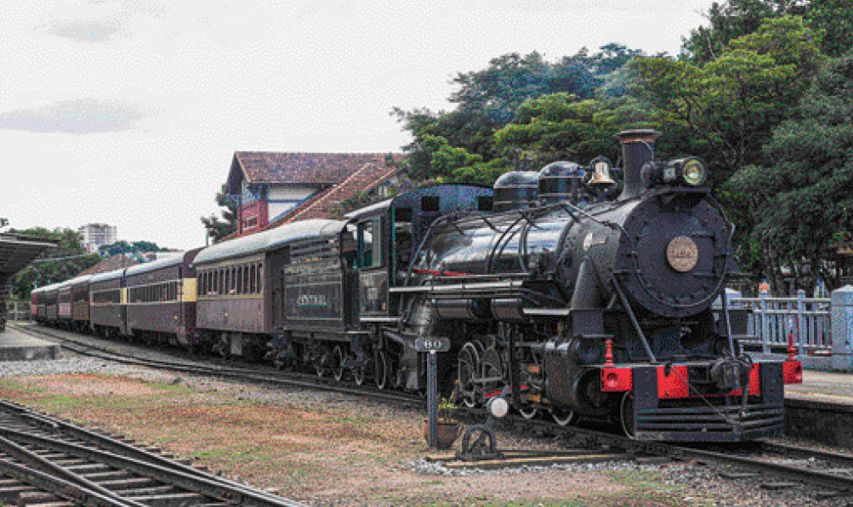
{"points": [[821, 329]]}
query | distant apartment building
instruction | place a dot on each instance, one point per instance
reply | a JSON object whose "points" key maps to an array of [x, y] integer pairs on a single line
{"points": [[95, 235]]}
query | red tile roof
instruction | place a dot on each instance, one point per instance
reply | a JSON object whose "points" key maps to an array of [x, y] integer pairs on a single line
{"points": [[321, 169], [344, 175], [327, 203], [110, 264]]}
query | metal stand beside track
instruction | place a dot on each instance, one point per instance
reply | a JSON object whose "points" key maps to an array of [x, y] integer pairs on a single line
{"points": [[479, 442]]}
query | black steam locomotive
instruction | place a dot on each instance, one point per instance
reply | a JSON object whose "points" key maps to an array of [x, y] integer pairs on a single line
{"points": [[577, 301]]}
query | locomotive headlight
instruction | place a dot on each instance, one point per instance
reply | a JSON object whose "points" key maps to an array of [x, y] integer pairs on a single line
{"points": [[690, 172], [694, 172]]}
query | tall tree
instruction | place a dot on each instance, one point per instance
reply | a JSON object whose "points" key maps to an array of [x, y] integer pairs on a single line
{"points": [[219, 229], [803, 201], [135, 250], [725, 110], [732, 20], [561, 127], [833, 20], [460, 145], [64, 262]]}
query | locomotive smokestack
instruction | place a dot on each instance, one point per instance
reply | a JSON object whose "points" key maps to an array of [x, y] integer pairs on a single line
{"points": [[638, 147]]}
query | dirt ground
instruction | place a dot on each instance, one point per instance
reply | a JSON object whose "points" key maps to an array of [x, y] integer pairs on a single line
{"points": [[321, 449]]}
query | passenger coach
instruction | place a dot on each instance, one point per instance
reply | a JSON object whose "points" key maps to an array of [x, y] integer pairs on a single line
{"points": [[161, 299], [80, 319], [242, 298], [107, 309]]}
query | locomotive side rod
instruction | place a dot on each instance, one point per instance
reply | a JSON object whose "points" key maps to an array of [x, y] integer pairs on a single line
{"points": [[633, 318]]}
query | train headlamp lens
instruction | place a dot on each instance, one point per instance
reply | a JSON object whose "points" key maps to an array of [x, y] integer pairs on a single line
{"points": [[694, 172]]}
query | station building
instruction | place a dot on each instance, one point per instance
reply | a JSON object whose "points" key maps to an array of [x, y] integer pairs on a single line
{"points": [[273, 189]]}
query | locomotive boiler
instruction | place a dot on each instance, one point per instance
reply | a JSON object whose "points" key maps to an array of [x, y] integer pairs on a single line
{"points": [[596, 306]]}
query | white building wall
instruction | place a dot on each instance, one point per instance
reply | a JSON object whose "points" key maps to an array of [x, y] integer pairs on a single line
{"points": [[282, 199], [94, 235]]}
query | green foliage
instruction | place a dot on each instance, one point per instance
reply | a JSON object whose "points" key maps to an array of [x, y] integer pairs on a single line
{"points": [[560, 127], [833, 20], [70, 260], [446, 410], [461, 145], [219, 229], [725, 110], [732, 20], [802, 200], [134, 250]]}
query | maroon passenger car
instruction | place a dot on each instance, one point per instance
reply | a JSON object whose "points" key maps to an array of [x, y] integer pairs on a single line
{"points": [[161, 299]]}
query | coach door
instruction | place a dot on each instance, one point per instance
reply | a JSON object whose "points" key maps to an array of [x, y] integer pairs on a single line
{"points": [[372, 270], [278, 279]]}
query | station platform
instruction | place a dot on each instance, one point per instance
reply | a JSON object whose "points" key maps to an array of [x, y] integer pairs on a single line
{"points": [[821, 408], [17, 346], [823, 386]]}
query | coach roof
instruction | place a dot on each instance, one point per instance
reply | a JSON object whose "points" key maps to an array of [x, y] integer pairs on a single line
{"points": [[109, 275], [151, 266], [269, 240]]}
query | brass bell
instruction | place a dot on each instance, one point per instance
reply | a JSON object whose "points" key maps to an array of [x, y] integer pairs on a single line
{"points": [[601, 173]]}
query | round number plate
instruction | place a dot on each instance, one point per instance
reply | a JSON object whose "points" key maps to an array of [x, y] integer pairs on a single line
{"points": [[682, 254]]}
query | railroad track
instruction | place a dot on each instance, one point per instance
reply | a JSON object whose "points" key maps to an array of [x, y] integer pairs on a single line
{"points": [[830, 473], [49, 461], [251, 375], [776, 466]]}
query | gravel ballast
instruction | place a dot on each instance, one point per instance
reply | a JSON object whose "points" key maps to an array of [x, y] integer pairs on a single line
{"points": [[330, 449]]}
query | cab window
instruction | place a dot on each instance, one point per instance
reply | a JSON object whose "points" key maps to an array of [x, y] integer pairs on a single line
{"points": [[370, 243]]}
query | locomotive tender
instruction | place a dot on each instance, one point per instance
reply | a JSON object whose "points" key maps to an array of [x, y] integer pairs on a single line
{"points": [[581, 302]]}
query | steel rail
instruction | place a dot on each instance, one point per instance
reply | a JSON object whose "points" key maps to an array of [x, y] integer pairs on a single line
{"points": [[232, 373], [798, 474], [846, 459], [813, 477], [117, 446], [211, 487], [840, 483], [37, 462], [60, 487]]}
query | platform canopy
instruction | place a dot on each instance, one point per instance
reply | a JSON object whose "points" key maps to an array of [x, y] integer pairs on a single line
{"points": [[17, 250]]}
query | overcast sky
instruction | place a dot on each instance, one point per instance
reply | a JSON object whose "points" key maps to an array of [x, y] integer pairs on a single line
{"points": [[128, 111]]}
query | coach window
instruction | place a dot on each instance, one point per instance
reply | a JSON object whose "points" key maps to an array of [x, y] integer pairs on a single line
{"points": [[241, 287]]}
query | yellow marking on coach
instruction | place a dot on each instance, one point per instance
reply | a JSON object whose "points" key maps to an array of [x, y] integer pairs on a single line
{"points": [[189, 293]]}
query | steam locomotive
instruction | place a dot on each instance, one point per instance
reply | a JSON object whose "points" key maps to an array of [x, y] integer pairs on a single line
{"points": [[575, 301]]}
